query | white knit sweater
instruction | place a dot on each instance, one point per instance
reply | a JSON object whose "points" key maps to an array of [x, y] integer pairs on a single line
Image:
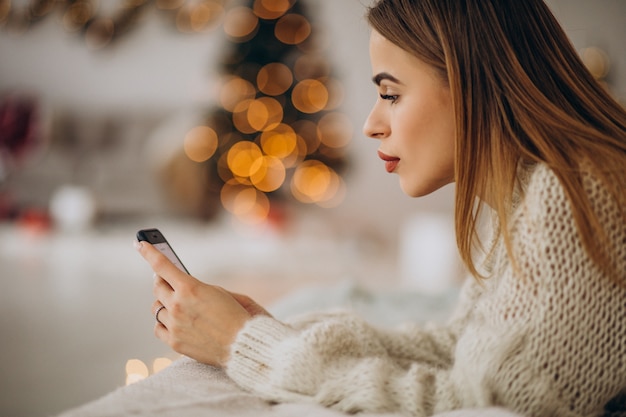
{"points": [[550, 341]]}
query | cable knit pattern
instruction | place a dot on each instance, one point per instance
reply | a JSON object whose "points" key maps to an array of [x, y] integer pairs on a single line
{"points": [[545, 339]]}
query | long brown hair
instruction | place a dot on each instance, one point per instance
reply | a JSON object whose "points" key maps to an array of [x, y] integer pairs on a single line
{"points": [[521, 95]]}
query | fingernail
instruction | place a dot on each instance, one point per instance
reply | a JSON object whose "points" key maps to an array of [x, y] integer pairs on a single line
{"points": [[137, 244]]}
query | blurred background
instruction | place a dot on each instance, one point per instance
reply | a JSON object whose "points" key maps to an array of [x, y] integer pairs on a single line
{"points": [[234, 126]]}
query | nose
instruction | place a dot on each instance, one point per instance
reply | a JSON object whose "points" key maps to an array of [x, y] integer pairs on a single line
{"points": [[375, 126]]}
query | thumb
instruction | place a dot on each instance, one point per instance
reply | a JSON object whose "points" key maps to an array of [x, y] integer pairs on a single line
{"points": [[251, 306]]}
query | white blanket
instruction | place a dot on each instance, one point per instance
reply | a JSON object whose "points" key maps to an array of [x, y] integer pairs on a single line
{"points": [[189, 389]]}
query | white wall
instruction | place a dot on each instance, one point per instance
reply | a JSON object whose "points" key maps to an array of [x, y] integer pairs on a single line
{"points": [[152, 67]]}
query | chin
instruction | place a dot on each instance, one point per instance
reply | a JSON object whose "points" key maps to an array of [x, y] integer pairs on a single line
{"points": [[421, 189]]}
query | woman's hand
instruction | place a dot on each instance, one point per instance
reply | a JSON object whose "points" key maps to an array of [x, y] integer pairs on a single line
{"points": [[199, 320]]}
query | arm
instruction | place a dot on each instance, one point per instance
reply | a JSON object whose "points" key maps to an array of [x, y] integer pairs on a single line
{"points": [[341, 361]]}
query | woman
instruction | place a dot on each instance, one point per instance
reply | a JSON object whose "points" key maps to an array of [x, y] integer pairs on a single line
{"points": [[489, 95]]}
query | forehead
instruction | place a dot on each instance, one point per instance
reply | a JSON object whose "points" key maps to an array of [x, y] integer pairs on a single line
{"points": [[379, 45], [387, 57], [376, 37]]}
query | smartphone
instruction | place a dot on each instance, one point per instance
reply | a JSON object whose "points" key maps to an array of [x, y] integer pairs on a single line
{"points": [[156, 238]]}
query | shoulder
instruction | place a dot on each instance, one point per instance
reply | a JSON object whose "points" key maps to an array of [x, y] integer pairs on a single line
{"points": [[544, 208], [544, 226], [543, 230], [544, 196], [542, 188]]}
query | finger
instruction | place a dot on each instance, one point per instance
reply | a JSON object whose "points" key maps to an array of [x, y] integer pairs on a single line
{"points": [[162, 266], [162, 290], [158, 280], [161, 332], [155, 305]]}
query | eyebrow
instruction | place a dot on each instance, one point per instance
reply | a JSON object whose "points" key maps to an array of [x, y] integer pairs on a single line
{"points": [[378, 78]]}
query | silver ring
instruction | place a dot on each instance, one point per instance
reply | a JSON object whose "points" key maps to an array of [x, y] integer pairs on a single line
{"points": [[156, 315]]}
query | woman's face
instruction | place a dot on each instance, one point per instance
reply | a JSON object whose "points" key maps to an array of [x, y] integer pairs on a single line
{"points": [[413, 118]]}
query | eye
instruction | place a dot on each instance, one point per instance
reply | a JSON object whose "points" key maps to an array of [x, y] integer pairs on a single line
{"points": [[392, 97]]}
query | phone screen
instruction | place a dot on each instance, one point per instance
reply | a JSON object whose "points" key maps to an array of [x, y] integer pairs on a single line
{"points": [[156, 238]]}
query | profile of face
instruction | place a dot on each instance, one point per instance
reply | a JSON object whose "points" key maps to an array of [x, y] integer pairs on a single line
{"points": [[413, 118]]}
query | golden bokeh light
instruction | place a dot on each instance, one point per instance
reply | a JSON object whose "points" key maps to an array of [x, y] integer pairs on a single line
{"points": [[335, 129], [309, 96], [271, 9], [336, 193], [292, 29], [262, 114], [160, 363], [274, 79], [222, 168], [279, 142], [199, 16], [252, 206], [240, 117], [226, 174], [314, 182], [307, 130], [245, 201], [235, 90], [258, 114], [136, 370], [242, 158], [297, 155], [268, 174], [240, 23], [247, 204], [200, 143], [230, 191], [597, 61], [204, 15], [265, 113]]}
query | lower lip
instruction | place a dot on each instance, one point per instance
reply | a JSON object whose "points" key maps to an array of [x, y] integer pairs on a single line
{"points": [[390, 166]]}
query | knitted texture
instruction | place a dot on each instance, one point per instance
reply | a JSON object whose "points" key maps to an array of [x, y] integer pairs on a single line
{"points": [[546, 337]]}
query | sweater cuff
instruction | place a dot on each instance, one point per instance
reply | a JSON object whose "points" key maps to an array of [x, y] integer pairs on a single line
{"points": [[251, 354]]}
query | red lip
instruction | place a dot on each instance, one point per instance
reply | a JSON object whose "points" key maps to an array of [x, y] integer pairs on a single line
{"points": [[391, 162]]}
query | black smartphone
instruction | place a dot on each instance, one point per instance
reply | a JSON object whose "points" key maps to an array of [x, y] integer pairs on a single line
{"points": [[156, 238]]}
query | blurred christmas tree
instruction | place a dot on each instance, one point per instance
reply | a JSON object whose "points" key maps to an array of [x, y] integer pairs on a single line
{"points": [[276, 135]]}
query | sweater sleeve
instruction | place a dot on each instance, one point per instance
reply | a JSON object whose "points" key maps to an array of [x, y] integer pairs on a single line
{"points": [[340, 361]]}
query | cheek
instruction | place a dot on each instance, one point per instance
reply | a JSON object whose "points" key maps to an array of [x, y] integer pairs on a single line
{"points": [[418, 131], [443, 148], [428, 142]]}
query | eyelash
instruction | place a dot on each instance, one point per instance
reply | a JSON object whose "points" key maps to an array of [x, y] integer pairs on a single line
{"points": [[392, 97]]}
